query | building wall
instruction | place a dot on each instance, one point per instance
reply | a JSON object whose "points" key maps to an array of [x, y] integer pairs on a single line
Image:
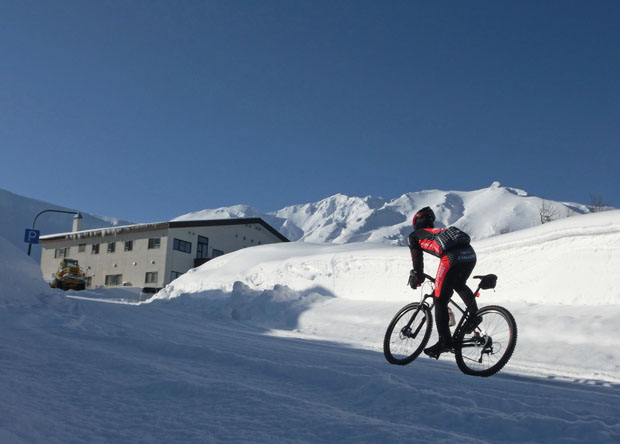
{"points": [[225, 239], [133, 265]]}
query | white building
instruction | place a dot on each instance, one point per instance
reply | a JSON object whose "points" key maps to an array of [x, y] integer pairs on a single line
{"points": [[151, 255]]}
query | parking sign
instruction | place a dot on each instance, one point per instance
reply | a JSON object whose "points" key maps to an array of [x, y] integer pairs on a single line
{"points": [[31, 236]]}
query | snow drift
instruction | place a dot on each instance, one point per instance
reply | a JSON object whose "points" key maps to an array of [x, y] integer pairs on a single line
{"points": [[544, 260]]}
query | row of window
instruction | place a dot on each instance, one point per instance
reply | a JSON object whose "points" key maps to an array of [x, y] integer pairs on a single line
{"points": [[111, 248], [151, 277], [203, 242], [154, 243], [117, 279]]}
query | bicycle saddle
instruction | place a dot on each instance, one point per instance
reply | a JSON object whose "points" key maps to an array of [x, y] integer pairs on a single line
{"points": [[487, 281]]}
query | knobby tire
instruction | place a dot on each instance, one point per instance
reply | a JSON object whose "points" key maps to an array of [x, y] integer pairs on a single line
{"points": [[399, 347], [495, 337]]}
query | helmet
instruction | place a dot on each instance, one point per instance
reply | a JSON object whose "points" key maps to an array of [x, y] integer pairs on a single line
{"points": [[425, 218]]}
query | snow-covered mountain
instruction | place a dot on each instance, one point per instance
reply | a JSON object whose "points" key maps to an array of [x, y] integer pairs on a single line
{"points": [[342, 219], [18, 212]]}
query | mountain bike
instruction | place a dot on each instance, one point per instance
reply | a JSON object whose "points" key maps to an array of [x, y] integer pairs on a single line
{"points": [[479, 350]]}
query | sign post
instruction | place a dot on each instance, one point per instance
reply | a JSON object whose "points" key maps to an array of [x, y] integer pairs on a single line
{"points": [[32, 236]]}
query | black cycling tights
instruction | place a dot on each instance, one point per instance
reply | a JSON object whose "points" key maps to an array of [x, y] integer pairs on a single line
{"points": [[454, 280]]}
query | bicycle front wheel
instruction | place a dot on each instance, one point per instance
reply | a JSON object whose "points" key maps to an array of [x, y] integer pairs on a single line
{"points": [[407, 334], [489, 347]]}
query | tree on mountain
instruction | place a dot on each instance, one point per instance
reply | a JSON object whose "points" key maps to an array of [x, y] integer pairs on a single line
{"points": [[597, 204], [547, 212]]}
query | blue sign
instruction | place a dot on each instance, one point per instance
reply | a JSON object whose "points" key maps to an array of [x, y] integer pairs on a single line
{"points": [[32, 236]]}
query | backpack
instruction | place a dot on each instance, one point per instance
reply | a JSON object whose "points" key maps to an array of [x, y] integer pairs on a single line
{"points": [[452, 238]]}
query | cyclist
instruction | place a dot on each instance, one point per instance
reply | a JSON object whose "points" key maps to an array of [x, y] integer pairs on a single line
{"points": [[456, 262]]}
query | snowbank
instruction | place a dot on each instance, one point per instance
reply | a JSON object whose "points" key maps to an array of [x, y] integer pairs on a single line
{"points": [[570, 261], [558, 279], [21, 284]]}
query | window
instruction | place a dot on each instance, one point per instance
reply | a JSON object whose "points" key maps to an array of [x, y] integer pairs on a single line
{"points": [[71, 263], [61, 252], [128, 245], [174, 275], [151, 277], [95, 249], [217, 253], [81, 248], [113, 279], [111, 247], [154, 242], [181, 245], [202, 250]]}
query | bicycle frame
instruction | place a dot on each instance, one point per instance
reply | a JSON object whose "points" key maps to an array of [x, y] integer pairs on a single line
{"points": [[481, 347], [465, 315]]}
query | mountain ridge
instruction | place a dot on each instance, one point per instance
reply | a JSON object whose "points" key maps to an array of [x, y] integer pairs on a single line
{"points": [[343, 219]]}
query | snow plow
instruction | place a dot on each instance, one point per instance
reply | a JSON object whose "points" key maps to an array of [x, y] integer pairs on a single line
{"points": [[69, 276]]}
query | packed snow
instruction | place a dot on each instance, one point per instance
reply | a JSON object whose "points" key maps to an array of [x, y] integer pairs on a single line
{"points": [[282, 343]]}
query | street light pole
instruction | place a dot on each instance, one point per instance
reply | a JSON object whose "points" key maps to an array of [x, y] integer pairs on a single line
{"points": [[48, 211]]}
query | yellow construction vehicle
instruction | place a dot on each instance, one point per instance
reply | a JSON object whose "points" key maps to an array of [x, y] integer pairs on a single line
{"points": [[69, 276]]}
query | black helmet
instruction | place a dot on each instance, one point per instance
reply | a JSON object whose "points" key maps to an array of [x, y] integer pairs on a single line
{"points": [[425, 218]]}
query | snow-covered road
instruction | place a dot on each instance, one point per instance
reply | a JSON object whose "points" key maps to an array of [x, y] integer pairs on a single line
{"points": [[167, 372]]}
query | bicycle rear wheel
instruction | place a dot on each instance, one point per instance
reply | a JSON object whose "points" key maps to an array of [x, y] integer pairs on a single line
{"points": [[407, 334], [489, 347]]}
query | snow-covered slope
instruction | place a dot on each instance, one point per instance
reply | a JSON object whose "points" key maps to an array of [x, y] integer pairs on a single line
{"points": [[281, 343], [18, 212], [547, 257], [343, 219], [559, 278]]}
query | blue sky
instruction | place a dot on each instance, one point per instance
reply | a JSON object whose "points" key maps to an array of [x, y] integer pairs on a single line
{"points": [[146, 110]]}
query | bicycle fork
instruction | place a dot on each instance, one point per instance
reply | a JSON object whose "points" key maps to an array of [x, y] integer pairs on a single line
{"points": [[406, 331]]}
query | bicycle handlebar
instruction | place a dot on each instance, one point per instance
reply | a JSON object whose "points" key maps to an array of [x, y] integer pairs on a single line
{"points": [[430, 278], [486, 281]]}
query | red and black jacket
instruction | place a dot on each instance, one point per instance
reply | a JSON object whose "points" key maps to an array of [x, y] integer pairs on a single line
{"points": [[439, 242]]}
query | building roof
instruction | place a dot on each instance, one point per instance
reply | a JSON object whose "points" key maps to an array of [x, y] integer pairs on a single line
{"points": [[110, 231]]}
